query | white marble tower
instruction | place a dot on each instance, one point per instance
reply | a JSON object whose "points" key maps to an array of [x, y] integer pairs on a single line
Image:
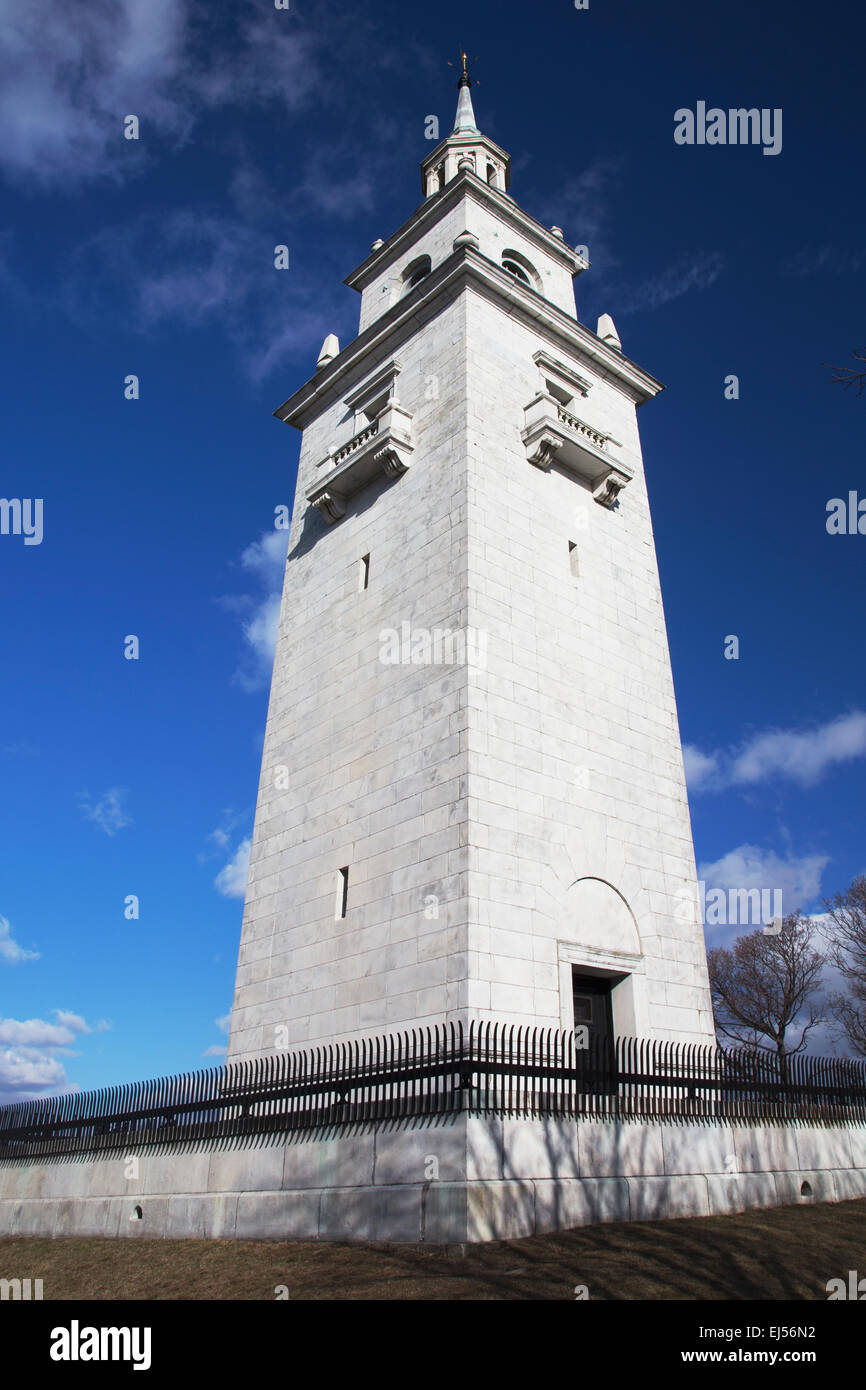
{"points": [[472, 801]]}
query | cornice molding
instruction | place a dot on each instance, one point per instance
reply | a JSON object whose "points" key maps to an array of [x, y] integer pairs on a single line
{"points": [[463, 268], [438, 204]]}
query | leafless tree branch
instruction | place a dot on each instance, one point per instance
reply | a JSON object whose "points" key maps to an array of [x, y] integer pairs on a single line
{"points": [[847, 912], [849, 376], [767, 985]]}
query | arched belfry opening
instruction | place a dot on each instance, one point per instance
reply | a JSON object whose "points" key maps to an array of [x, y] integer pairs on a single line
{"points": [[415, 272]]}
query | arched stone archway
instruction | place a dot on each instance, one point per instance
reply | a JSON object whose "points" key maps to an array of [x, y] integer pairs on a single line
{"points": [[598, 917], [600, 940]]}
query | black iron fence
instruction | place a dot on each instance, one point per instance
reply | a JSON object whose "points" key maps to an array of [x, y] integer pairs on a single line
{"points": [[481, 1069]]}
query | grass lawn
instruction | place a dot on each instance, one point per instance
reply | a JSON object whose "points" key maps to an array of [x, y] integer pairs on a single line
{"points": [[782, 1253]]}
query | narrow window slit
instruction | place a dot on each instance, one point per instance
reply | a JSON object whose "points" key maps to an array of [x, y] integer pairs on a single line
{"points": [[343, 892]]}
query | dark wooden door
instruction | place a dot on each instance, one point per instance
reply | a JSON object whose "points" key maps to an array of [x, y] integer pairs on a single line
{"points": [[592, 1006]]}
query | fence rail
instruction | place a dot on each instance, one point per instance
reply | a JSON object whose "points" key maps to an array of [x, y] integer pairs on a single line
{"points": [[481, 1069]]}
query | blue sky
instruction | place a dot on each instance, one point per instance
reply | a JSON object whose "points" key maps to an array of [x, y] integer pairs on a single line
{"points": [[155, 257]]}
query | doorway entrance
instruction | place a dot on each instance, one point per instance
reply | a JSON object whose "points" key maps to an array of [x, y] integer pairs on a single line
{"points": [[592, 1005]]}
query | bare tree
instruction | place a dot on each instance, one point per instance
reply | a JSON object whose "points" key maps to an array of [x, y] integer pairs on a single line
{"points": [[850, 376], [847, 932], [768, 985]]}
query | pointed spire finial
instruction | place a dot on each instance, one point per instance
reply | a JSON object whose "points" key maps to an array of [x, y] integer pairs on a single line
{"points": [[465, 119]]}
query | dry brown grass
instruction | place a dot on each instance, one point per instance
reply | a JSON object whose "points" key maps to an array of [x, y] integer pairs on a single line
{"points": [[783, 1253]]}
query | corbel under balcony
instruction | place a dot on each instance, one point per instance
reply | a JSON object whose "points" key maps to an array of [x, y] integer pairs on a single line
{"points": [[552, 433], [382, 447]]}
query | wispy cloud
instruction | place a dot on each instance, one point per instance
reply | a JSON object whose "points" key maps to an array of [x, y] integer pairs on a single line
{"points": [[582, 207], [265, 559], [335, 184], [200, 269], [21, 748], [699, 767], [69, 74], [219, 1049], [695, 272], [30, 1053], [231, 880], [71, 78], [10, 951], [109, 812], [221, 836], [832, 259], [803, 756]]}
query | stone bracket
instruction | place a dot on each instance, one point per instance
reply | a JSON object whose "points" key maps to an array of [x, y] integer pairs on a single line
{"points": [[542, 451], [608, 490]]}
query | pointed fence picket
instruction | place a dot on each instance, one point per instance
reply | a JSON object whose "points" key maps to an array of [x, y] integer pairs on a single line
{"points": [[483, 1068]]}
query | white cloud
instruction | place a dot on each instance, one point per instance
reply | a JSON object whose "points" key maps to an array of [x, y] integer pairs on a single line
{"points": [[266, 560], [38, 1032], [261, 635], [585, 207], [10, 951], [696, 272], [26, 1075], [222, 835], [266, 557], [749, 866], [30, 1051], [69, 74], [78, 1024], [802, 755], [581, 205], [231, 880], [270, 61], [35, 1032], [223, 1023], [194, 268], [208, 267], [699, 766], [108, 812]]}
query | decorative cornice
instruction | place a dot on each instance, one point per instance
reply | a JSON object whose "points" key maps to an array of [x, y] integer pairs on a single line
{"points": [[385, 376], [545, 362], [462, 137], [463, 267], [433, 208]]}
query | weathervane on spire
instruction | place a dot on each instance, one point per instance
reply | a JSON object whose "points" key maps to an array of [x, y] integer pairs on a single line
{"points": [[465, 79]]}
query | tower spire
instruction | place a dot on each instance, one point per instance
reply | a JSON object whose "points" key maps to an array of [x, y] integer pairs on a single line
{"points": [[465, 118], [465, 149]]}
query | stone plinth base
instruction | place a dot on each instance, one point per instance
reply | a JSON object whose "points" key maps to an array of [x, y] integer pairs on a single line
{"points": [[465, 1180]]}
